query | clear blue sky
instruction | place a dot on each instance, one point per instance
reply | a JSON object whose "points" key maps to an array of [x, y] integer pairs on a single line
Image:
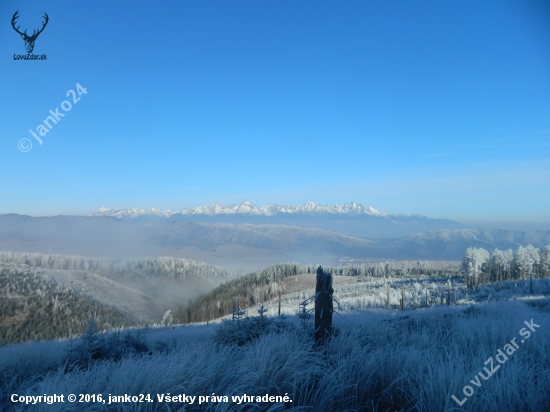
{"points": [[440, 108]]}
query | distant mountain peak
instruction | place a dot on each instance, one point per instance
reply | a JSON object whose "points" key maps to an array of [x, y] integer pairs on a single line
{"points": [[247, 208], [132, 212]]}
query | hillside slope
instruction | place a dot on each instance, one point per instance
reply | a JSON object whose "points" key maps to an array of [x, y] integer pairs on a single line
{"points": [[144, 289], [34, 306]]}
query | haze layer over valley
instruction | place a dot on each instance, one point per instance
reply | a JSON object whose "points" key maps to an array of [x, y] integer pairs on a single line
{"points": [[246, 237]]}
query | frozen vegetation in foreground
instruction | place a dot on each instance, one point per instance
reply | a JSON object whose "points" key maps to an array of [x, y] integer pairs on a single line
{"points": [[378, 360]]}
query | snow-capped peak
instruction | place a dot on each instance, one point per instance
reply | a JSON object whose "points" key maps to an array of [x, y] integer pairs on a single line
{"points": [[247, 208], [131, 212]]}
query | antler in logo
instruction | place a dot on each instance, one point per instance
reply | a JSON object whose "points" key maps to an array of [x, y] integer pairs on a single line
{"points": [[29, 40]]}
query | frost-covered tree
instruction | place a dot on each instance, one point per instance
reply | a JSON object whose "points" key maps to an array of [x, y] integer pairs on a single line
{"points": [[89, 345], [238, 313], [305, 314], [473, 263], [497, 263], [527, 259], [167, 319], [545, 260], [508, 263]]}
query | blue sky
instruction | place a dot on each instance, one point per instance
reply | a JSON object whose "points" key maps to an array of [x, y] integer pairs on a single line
{"points": [[439, 108]]}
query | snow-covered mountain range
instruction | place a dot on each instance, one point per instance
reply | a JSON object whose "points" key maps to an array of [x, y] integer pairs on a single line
{"points": [[248, 208]]}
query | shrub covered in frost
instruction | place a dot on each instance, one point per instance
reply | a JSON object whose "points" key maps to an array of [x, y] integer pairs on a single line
{"points": [[241, 331], [94, 345]]}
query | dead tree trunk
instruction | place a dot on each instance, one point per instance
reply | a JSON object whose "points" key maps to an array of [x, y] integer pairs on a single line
{"points": [[279, 300], [323, 306]]}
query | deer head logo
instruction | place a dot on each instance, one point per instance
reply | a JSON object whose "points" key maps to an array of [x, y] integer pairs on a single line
{"points": [[29, 40]]}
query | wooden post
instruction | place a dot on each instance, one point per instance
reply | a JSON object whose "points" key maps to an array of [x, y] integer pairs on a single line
{"points": [[402, 298], [323, 306], [279, 289]]}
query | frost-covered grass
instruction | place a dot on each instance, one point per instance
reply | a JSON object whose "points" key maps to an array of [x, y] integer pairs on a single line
{"points": [[379, 360]]}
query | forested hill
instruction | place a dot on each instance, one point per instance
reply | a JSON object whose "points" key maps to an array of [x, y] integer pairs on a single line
{"points": [[264, 284], [33, 306], [144, 288], [158, 267]]}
